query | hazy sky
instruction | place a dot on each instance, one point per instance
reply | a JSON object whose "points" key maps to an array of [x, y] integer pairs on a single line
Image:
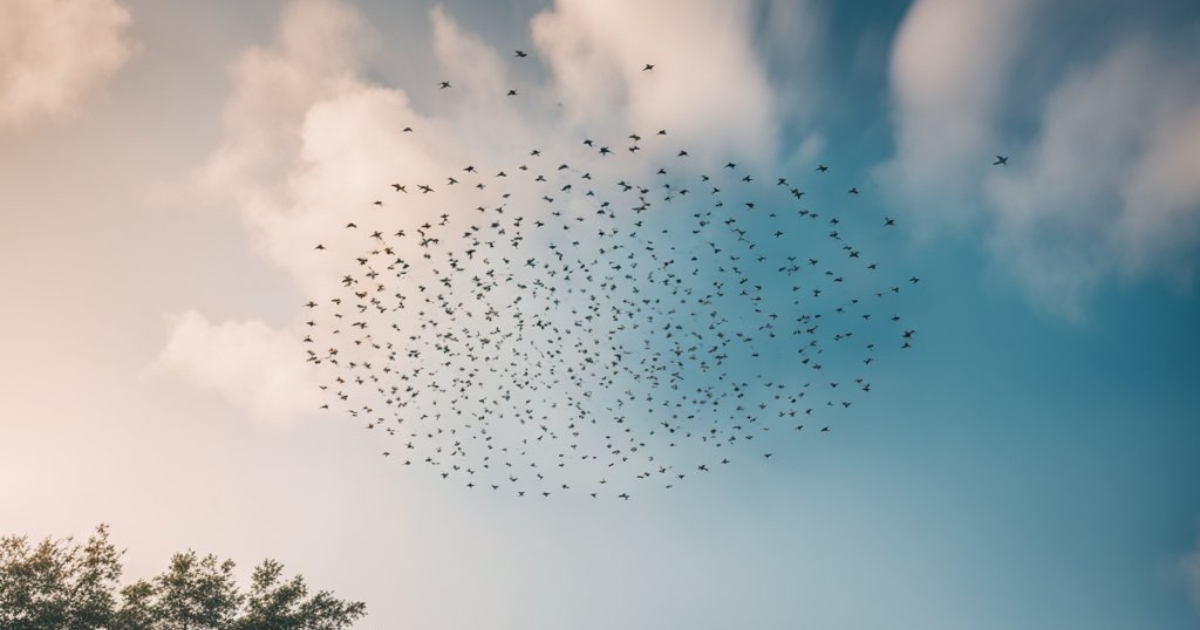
{"points": [[1034, 462]]}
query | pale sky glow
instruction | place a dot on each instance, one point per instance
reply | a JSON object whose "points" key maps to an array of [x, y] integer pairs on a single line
{"points": [[42, 78], [168, 169]]}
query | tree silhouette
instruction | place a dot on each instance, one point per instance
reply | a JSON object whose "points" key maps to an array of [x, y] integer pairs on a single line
{"points": [[63, 585]]}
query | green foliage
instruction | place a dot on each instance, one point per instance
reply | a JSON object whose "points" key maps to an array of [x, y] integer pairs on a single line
{"points": [[61, 585], [58, 584], [275, 604]]}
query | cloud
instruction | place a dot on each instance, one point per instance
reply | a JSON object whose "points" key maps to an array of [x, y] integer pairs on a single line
{"points": [[950, 63], [1101, 187], [597, 53], [1189, 567], [1109, 186], [55, 52], [308, 144], [310, 141], [302, 134], [319, 51], [250, 363]]}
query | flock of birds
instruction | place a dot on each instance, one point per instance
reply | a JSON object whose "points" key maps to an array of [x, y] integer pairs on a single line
{"points": [[605, 319]]}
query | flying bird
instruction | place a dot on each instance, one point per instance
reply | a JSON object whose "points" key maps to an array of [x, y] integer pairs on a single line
{"points": [[600, 330]]}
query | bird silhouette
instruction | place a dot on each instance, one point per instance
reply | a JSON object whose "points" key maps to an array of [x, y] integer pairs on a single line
{"points": [[593, 327]]}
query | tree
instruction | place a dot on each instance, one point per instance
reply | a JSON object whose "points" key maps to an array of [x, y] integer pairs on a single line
{"points": [[62, 585]]}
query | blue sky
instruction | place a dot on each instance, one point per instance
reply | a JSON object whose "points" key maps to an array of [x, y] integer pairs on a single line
{"points": [[1031, 462]]}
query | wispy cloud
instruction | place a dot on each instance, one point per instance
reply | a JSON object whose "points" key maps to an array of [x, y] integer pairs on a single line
{"points": [[305, 139], [310, 140], [1189, 570], [1110, 186], [711, 86], [248, 362], [310, 137], [53, 53], [950, 64], [1100, 189]]}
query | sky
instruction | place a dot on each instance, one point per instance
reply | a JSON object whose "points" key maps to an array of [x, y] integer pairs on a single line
{"points": [[1032, 461]]}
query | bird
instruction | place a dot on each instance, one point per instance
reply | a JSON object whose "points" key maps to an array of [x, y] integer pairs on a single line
{"points": [[560, 331]]}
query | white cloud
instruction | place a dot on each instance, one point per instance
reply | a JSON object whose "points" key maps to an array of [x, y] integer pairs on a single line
{"points": [[319, 51], [950, 62], [1104, 188], [708, 85], [311, 141], [1109, 185], [472, 67], [250, 363], [292, 176], [1189, 567], [54, 52], [1161, 227]]}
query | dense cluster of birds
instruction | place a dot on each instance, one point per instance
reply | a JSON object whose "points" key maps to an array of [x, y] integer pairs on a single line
{"points": [[606, 319]]}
